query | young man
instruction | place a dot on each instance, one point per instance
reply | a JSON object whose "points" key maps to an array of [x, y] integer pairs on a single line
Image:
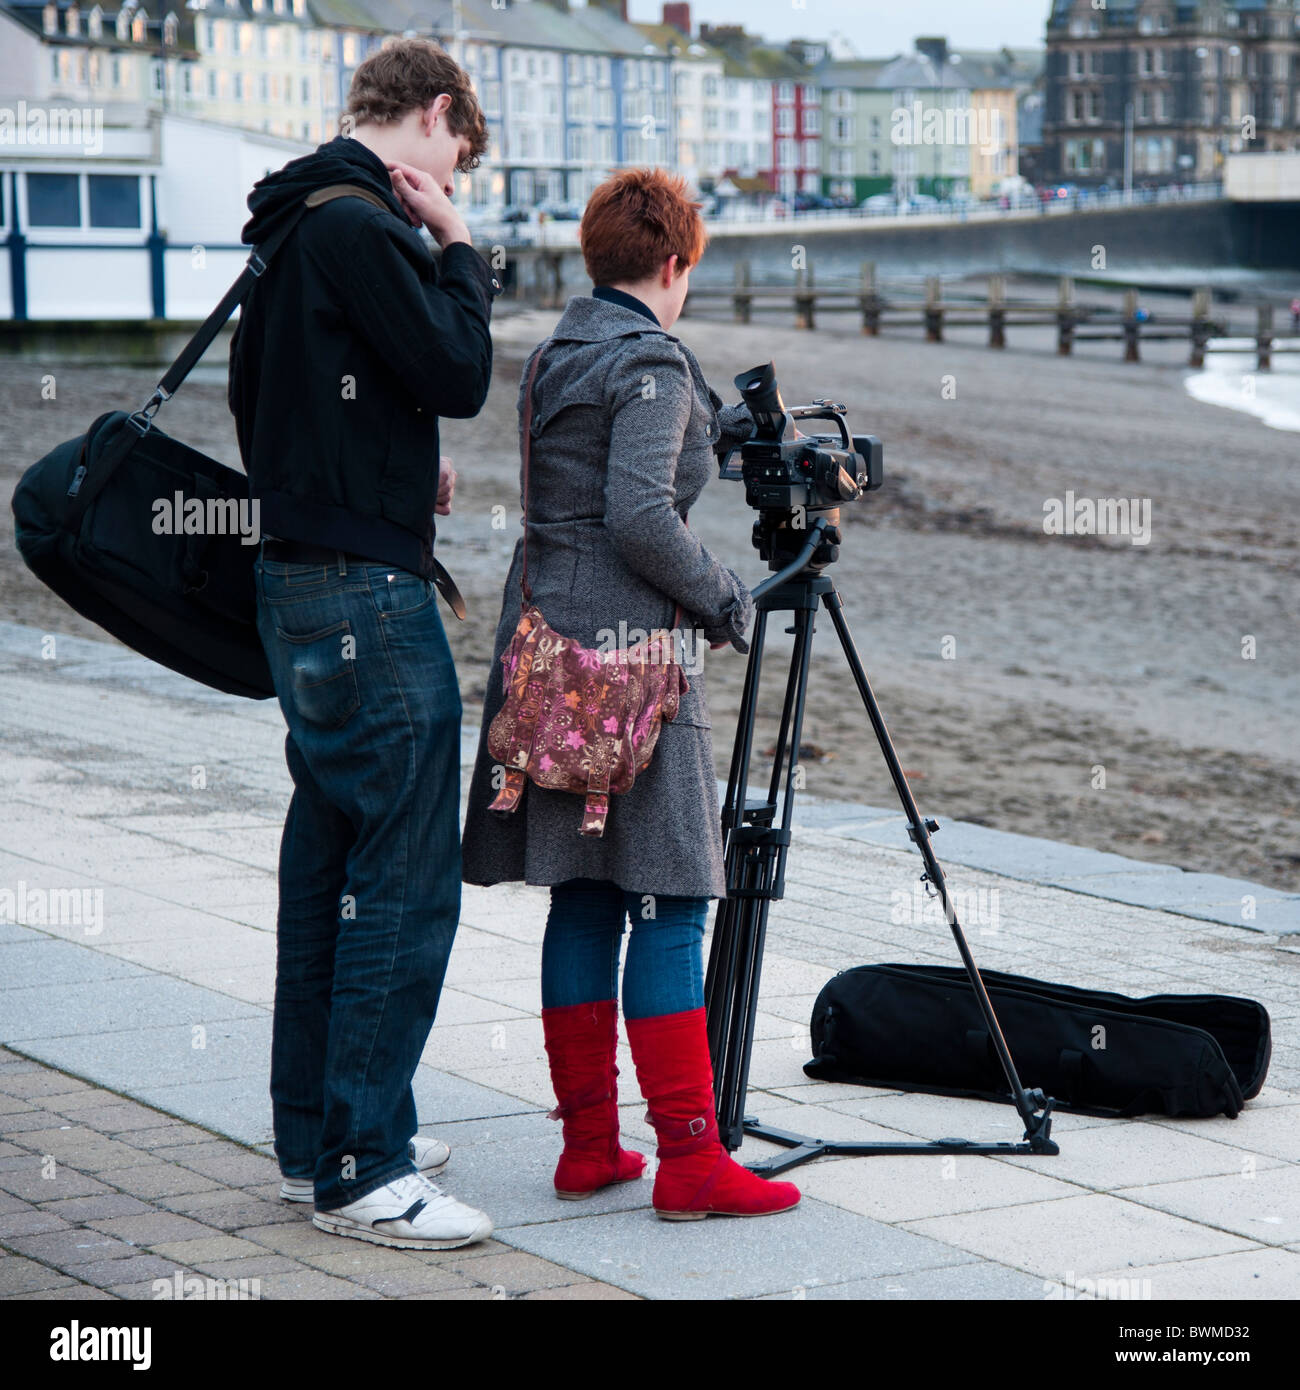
{"points": [[351, 345]]}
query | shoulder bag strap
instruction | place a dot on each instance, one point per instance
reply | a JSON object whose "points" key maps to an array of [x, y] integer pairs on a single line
{"points": [[87, 486], [258, 259], [524, 587]]}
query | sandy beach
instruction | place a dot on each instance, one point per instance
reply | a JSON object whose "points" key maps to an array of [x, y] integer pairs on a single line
{"points": [[1135, 697]]}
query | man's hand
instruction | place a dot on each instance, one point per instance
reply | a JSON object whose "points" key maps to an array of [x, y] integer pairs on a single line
{"points": [[446, 486], [425, 203]]}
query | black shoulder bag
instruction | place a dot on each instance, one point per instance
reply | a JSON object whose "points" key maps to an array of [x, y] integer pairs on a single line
{"points": [[86, 526]]}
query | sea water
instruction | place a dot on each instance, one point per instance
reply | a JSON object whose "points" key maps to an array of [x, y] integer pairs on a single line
{"points": [[1230, 379]]}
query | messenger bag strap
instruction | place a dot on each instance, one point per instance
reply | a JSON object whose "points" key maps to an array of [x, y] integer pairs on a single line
{"points": [[524, 588], [259, 258], [88, 485]]}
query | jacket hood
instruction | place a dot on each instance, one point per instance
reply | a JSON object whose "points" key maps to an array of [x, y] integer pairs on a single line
{"points": [[590, 320], [341, 160]]}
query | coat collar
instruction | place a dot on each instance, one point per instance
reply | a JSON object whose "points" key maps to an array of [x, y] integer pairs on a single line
{"points": [[588, 320]]}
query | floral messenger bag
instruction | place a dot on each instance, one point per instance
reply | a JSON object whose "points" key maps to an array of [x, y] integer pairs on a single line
{"points": [[577, 719]]}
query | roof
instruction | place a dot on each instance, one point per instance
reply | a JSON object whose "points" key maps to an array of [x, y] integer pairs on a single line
{"points": [[31, 15], [524, 24], [667, 38], [850, 72]]}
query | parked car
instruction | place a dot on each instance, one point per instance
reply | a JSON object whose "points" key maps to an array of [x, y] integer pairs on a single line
{"points": [[880, 203]]}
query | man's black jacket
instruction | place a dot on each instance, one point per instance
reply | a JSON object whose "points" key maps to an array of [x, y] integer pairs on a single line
{"points": [[348, 349]]}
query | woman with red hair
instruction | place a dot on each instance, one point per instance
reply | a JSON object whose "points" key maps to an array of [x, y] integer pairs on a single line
{"points": [[624, 430]]}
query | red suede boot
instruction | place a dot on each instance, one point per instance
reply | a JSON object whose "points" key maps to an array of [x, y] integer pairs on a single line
{"points": [[580, 1042], [696, 1177]]}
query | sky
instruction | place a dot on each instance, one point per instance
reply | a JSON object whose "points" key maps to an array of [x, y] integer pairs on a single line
{"points": [[875, 28]]}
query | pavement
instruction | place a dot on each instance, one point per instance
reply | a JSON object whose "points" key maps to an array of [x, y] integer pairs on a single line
{"points": [[137, 916]]}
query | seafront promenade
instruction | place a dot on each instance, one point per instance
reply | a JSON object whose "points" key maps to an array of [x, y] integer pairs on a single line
{"points": [[143, 813]]}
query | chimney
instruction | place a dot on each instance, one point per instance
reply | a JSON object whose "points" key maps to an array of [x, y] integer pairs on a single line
{"points": [[678, 15], [935, 49]]}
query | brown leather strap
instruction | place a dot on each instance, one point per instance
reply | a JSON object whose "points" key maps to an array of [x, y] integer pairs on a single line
{"points": [[528, 431], [344, 190]]}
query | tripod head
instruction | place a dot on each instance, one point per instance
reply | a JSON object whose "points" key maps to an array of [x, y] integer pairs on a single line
{"points": [[792, 481]]}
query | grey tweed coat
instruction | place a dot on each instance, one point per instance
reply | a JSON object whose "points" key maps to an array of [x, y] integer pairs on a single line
{"points": [[624, 433]]}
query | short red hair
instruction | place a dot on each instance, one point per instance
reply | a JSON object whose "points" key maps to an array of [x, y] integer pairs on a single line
{"points": [[634, 221]]}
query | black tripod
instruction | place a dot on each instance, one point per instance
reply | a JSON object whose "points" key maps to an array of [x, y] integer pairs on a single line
{"points": [[756, 846]]}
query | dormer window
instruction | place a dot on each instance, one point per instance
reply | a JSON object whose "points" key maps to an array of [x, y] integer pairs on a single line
{"points": [[140, 27], [170, 26], [50, 19], [95, 23], [72, 21]]}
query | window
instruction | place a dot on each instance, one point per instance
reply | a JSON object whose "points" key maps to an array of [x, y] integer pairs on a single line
{"points": [[1076, 63], [212, 84], [710, 86], [812, 121], [114, 200], [53, 200], [306, 91], [1094, 106], [263, 87], [785, 91], [784, 121], [875, 127]]}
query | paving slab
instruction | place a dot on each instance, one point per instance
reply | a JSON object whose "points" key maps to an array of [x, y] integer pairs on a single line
{"points": [[729, 1258], [1085, 1234]]}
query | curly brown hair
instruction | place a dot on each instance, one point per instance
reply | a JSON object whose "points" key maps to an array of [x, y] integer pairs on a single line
{"points": [[634, 221], [408, 75]]}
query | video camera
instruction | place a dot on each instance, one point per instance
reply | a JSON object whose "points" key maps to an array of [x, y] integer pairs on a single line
{"points": [[792, 481]]}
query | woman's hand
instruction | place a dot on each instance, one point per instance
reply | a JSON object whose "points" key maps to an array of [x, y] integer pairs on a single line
{"points": [[730, 625]]}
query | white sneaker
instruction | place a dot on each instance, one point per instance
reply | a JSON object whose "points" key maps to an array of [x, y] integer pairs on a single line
{"points": [[411, 1213], [428, 1155]]}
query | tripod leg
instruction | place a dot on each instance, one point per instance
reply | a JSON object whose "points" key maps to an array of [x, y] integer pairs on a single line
{"points": [[920, 835], [756, 850]]}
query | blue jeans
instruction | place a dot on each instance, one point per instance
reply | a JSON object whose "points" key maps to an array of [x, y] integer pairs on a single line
{"points": [[369, 862], [665, 961]]}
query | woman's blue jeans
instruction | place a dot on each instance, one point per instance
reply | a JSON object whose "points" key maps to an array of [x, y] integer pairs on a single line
{"points": [[664, 973]]}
